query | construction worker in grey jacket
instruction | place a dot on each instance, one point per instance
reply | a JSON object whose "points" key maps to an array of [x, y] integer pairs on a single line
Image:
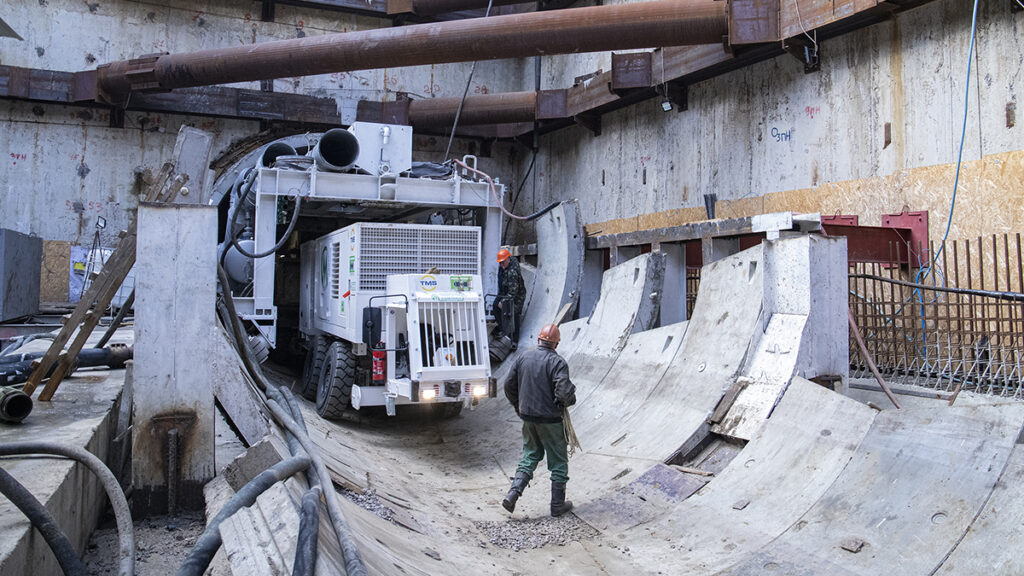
{"points": [[539, 388]]}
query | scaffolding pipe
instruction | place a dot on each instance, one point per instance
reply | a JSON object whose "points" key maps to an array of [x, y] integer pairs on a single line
{"points": [[657, 23]]}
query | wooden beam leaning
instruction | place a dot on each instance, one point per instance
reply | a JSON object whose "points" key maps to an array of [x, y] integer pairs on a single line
{"points": [[112, 275]]}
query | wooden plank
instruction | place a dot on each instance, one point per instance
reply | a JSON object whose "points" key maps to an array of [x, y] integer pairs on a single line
{"points": [[109, 281], [101, 285]]}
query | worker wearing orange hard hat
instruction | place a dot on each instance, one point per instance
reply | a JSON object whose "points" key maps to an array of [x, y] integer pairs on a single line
{"points": [[539, 388], [511, 296]]}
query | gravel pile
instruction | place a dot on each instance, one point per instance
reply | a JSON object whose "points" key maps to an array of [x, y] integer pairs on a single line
{"points": [[369, 500], [523, 533]]}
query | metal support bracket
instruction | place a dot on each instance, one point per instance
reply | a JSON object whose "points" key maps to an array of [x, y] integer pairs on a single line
{"points": [[806, 50], [591, 122]]}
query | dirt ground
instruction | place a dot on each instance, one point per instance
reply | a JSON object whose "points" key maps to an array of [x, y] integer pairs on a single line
{"points": [[161, 542]]}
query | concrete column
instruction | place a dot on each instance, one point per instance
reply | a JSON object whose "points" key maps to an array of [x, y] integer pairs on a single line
{"points": [[714, 249], [173, 434], [673, 297], [590, 285]]}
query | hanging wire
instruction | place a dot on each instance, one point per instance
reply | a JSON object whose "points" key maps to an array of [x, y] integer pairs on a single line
{"points": [[458, 111]]}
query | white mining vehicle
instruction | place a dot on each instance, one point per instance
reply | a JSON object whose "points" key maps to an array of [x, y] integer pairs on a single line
{"points": [[391, 298]]}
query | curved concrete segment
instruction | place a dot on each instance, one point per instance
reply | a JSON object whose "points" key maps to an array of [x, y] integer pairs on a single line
{"points": [[629, 303], [910, 493], [559, 270], [824, 485], [779, 475]]}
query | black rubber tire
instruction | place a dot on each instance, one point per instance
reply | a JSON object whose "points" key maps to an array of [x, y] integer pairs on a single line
{"points": [[448, 409], [334, 389], [315, 355]]}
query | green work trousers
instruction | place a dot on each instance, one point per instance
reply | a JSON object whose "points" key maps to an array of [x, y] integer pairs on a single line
{"points": [[540, 439]]}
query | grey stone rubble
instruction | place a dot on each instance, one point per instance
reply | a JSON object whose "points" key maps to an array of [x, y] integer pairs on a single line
{"points": [[522, 533], [369, 500]]}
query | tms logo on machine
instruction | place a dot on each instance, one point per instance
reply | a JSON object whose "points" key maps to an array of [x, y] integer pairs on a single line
{"points": [[428, 283]]}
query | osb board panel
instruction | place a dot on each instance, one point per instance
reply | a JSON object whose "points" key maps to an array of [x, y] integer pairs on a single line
{"points": [[53, 285], [990, 200], [796, 16]]}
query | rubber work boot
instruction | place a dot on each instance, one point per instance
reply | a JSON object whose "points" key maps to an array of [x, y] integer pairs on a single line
{"points": [[559, 505], [519, 483]]}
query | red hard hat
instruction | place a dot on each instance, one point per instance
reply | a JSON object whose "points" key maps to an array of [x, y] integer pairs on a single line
{"points": [[503, 255], [550, 333]]}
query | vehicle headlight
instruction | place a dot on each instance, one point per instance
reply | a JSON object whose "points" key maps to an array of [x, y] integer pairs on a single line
{"points": [[428, 394], [479, 390]]}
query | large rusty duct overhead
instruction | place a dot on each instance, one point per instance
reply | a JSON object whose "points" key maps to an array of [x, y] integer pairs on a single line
{"points": [[591, 29], [435, 7], [501, 108]]}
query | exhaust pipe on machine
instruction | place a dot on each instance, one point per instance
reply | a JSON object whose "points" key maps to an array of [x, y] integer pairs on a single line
{"points": [[337, 150], [271, 152]]}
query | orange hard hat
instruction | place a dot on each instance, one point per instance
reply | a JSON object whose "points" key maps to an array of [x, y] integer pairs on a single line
{"points": [[503, 255], [550, 333]]}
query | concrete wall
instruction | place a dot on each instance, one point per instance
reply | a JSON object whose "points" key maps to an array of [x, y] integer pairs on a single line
{"points": [[769, 127], [62, 167]]}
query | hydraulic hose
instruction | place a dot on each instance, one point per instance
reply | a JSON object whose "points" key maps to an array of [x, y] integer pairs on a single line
{"points": [[234, 219], [353, 560], [58, 541], [309, 530], [210, 540], [22, 340], [122, 514], [494, 193]]}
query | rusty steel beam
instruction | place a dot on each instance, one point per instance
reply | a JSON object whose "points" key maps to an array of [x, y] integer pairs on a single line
{"points": [[435, 7], [590, 29]]}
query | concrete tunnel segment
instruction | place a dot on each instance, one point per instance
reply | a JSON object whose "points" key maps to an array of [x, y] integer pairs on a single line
{"points": [[823, 484]]}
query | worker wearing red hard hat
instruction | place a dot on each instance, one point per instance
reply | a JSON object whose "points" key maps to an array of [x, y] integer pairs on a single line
{"points": [[511, 296], [539, 389]]}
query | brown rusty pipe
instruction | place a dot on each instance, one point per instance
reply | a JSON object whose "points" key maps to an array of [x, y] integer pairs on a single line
{"points": [[508, 107], [591, 29], [435, 7]]}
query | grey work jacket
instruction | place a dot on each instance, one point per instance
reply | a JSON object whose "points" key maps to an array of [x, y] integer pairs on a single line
{"points": [[538, 385]]}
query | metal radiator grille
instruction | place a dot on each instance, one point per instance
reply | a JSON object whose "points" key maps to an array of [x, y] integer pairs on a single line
{"points": [[389, 250], [447, 334], [336, 270]]}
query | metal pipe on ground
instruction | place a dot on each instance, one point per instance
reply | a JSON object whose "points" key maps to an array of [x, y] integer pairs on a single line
{"points": [[657, 23], [871, 363]]}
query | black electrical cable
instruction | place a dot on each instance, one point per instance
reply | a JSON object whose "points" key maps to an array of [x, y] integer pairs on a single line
{"points": [[309, 529], [1000, 295], [210, 540], [515, 199], [354, 565], [58, 541], [122, 514]]}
